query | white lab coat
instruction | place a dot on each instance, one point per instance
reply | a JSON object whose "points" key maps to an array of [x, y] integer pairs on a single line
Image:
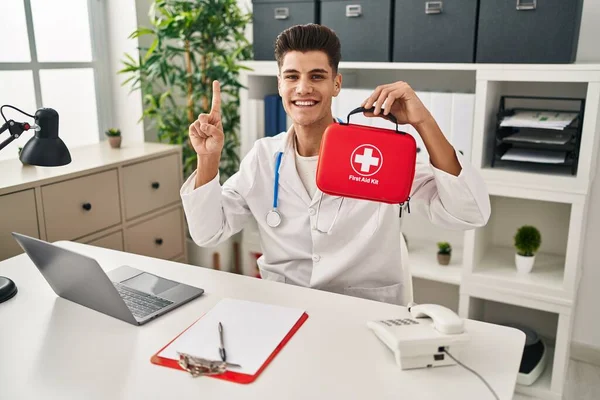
{"points": [[362, 254]]}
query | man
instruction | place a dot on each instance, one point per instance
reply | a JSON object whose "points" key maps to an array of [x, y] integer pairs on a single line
{"points": [[325, 242]]}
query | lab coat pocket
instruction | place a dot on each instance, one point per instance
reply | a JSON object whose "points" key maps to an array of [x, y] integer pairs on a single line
{"points": [[271, 276], [386, 294], [360, 218]]}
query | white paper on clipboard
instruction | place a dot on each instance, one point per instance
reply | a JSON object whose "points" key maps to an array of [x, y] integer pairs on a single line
{"points": [[251, 330]]}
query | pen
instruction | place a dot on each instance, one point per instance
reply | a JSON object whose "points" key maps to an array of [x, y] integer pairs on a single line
{"points": [[222, 348]]}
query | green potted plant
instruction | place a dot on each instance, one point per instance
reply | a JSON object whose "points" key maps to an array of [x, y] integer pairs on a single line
{"points": [[114, 137], [444, 253], [193, 43], [527, 242]]}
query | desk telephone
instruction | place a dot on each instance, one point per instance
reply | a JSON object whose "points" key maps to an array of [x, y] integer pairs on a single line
{"points": [[421, 341]]}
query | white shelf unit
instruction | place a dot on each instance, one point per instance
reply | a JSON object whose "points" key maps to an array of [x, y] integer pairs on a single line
{"points": [[482, 278]]}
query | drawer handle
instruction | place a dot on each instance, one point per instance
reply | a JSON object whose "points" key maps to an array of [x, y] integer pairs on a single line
{"points": [[353, 11], [87, 206], [155, 185], [282, 13], [526, 5], [158, 241], [433, 7]]}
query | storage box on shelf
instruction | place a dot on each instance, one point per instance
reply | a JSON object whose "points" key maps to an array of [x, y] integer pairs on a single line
{"points": [[486, 31], [348, 18], [124, 199], [528, 31], [434, 31], [483, 269], [270, 17]]}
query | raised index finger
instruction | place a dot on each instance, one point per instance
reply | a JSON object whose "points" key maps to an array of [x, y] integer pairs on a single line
{"points": [[216, 99]]}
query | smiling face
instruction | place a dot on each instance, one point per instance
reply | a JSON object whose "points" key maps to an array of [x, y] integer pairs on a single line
{"points": [[307, 84]]}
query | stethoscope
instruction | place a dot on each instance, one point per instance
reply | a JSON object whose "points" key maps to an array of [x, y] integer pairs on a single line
{"points": [[274, 216]]}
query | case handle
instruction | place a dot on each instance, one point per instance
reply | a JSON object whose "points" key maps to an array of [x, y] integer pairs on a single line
{"points": [[353, 10], [282, 12], [433, 7], [524, 6], [372, 109]]}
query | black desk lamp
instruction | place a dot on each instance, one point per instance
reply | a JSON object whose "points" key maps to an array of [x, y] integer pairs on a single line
{"points": [[45, 149]]}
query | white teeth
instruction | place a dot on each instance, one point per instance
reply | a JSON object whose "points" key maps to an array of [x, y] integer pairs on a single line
{"points": [[304, 103]]}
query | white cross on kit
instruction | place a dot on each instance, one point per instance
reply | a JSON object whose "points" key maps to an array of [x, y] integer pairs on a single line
{"points": [[366, 160]]}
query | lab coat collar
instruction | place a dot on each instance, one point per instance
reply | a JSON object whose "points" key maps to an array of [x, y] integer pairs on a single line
{"points": [[288, 174]]}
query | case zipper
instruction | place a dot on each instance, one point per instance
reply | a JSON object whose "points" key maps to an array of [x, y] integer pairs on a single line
{"points": [[407, 207]]}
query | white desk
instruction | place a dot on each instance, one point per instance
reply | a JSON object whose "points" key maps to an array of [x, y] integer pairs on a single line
{"points": [[51, 348]]}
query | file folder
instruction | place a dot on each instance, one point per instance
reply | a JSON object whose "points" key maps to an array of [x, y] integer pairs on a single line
{"points": [[254, 333]]}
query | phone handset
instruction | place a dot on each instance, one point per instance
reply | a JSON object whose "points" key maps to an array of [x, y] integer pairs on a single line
{"points": [[443, 319]]}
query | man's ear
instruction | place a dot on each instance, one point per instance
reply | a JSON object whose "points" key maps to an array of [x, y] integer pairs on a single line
{"points": [[337, 84]]}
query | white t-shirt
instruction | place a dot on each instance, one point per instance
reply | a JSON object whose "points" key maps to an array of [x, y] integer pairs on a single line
{"points": [[307, 169]]}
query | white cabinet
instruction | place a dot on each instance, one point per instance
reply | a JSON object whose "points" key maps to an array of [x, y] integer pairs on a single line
{"points": [[481, 280], [123, 199]]}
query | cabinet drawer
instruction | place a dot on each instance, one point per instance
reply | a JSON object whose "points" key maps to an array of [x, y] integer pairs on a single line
{"points": [[113, 241], [271, 17], [150, 185], [526, 31], [17, 214], [442, 32], [160, 237], [351, 19], [81, 206]]}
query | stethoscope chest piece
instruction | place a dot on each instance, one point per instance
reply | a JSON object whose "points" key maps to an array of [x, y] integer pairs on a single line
{"points": [[273, 218]]}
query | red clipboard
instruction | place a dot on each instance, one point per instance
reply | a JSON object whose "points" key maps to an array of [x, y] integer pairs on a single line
{"points": [[230, 375]]}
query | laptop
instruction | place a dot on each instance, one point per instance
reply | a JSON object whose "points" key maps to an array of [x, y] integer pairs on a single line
{"points": [[125, 293]]}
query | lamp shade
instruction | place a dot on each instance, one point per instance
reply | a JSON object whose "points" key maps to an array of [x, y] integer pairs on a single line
{"points": [[46, 149]]}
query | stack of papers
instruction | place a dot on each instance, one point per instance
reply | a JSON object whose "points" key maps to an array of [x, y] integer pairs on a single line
{"points": [[539, 119], [540, 137], [533, 155]]}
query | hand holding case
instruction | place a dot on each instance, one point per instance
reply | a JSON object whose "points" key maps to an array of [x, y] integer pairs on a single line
{"points": [[365, 162]]}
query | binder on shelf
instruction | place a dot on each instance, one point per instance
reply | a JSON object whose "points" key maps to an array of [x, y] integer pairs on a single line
{"points": [[275, 115], [546, 137], [463, 112], [254, 333]]}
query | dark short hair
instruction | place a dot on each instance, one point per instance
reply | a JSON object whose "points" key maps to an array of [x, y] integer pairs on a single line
{"points": [[309, 37]]}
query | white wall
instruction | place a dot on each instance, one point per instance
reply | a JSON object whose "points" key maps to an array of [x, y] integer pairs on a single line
{"points": [[126, 106], [587, 328]]}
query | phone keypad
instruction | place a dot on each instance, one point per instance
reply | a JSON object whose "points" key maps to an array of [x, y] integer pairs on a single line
{"points": [[399, 322]]}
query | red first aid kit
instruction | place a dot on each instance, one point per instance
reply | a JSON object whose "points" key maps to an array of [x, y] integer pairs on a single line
{"points": [[365, 162]]}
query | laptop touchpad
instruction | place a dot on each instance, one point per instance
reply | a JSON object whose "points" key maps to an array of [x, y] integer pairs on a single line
{"points": [[148, 283]]}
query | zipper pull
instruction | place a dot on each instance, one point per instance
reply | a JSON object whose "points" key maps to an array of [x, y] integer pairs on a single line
{"points": [[402, 206]]}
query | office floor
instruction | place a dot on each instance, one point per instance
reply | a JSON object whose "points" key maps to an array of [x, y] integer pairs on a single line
{"points": [[583, 382]]}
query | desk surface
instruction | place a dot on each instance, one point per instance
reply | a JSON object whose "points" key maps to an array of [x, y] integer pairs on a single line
{"points": [[55, 349]]}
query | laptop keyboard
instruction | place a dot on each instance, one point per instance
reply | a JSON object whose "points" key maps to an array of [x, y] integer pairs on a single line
{"points": [[141, 304]]}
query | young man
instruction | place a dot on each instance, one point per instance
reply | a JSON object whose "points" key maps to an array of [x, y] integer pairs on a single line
{"points": [[325, 242]]}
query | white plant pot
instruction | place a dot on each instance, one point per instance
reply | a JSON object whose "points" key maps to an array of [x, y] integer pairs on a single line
{"points": [[524, 264]]}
